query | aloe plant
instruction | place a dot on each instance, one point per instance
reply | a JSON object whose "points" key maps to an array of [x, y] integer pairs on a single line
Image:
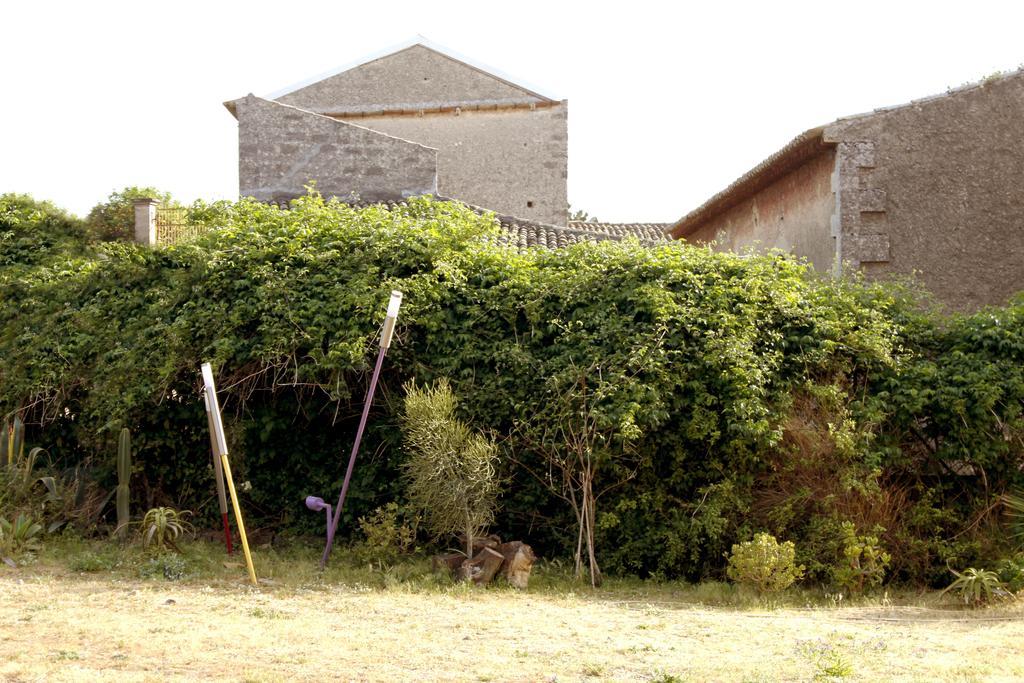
{"points": [[977, 586], [124, 473], [161, 527]]}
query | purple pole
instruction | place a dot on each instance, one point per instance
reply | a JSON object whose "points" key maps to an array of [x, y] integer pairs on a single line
{"points": [[385, 342], [352, 458]]}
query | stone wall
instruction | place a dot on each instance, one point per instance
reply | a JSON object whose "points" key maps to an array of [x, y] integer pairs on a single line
{"points": [[935, 189], [500, 146], [793, 213], [513, 161], [281, 149]]}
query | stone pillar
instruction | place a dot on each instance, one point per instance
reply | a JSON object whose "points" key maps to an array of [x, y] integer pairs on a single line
{"points": [[145, 221]]}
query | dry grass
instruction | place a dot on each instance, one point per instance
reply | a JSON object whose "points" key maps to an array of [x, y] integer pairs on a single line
{"points": [[61, 625]]}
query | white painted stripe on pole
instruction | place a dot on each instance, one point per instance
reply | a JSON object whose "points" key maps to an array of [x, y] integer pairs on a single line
{"points": [[394, 303], [214, 405]]}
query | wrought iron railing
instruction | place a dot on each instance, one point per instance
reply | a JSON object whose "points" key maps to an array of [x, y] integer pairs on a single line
{"points": [[173, 225]]}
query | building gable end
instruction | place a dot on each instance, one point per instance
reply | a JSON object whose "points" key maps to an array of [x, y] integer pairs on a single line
{"points": [[416, 78]]}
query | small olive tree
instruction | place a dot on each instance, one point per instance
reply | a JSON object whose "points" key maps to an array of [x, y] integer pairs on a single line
{"points": [[451, 471]]}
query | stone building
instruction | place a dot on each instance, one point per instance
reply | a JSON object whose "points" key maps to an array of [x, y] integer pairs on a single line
{"points": [[416, 120], [933, 189]]}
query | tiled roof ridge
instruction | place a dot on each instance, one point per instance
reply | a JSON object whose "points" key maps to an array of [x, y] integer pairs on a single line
{"points": [[537, 233], [643, 231], [529, 233]]}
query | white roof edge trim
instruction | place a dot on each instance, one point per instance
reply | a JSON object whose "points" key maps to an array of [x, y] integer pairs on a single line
{"points": [[405, 45]]}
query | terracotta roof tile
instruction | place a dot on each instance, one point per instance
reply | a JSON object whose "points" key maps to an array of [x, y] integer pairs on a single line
{"points": [[654, 232], [522, 233]]}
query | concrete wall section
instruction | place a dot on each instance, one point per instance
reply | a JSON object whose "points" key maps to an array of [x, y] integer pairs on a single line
{"points": [[935, 189], [414, 78], [793, 213], [513, 161], [281, 148]]}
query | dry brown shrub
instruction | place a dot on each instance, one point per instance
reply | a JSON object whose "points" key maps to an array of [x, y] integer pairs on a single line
{"points": [[812, 474]]}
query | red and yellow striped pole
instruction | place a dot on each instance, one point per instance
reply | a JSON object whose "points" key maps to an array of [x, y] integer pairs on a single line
{"points": [[221, 445]]}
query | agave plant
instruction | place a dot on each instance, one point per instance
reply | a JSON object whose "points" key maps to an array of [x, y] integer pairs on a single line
{"points": [[977, 586], [19, 536], [161, 527]]}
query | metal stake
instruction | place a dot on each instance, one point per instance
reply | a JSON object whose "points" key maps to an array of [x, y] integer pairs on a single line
{"points": [[385, 343]]}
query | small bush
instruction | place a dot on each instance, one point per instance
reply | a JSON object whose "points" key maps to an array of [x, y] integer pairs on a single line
{"points": [[92, 562], [1011, 573], [764, 564], [864, 561], [827, 658], [387, 535], [170, 566]]}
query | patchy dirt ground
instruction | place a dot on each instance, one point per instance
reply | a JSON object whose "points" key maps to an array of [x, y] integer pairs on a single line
{"points": [[88, 628]]}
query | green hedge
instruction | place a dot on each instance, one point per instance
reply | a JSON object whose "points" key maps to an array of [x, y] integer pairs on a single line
{"points": [[736, 394], [35, 232]]}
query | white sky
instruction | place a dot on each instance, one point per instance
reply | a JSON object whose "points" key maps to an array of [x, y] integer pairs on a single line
{"points": [[668, 101]]}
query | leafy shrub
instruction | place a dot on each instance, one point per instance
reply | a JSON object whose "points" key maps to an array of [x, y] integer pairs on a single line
{"points": [[977, 587], [863, 564], [387, 536], [93, 562], [1011, 573], [34, 233], [764, 564], [827, 658], [169, 566]]}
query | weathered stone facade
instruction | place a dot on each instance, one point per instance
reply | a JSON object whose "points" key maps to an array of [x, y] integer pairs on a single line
{"points": [[496, 144], [933, 189], [513, 161], [282, 148]]}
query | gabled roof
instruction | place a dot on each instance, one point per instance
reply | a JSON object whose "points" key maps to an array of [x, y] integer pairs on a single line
{"points": [[433, 47], [800, 149]]}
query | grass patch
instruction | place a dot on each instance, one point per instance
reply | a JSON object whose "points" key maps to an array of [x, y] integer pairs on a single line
{"points": [[112, 624]]}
